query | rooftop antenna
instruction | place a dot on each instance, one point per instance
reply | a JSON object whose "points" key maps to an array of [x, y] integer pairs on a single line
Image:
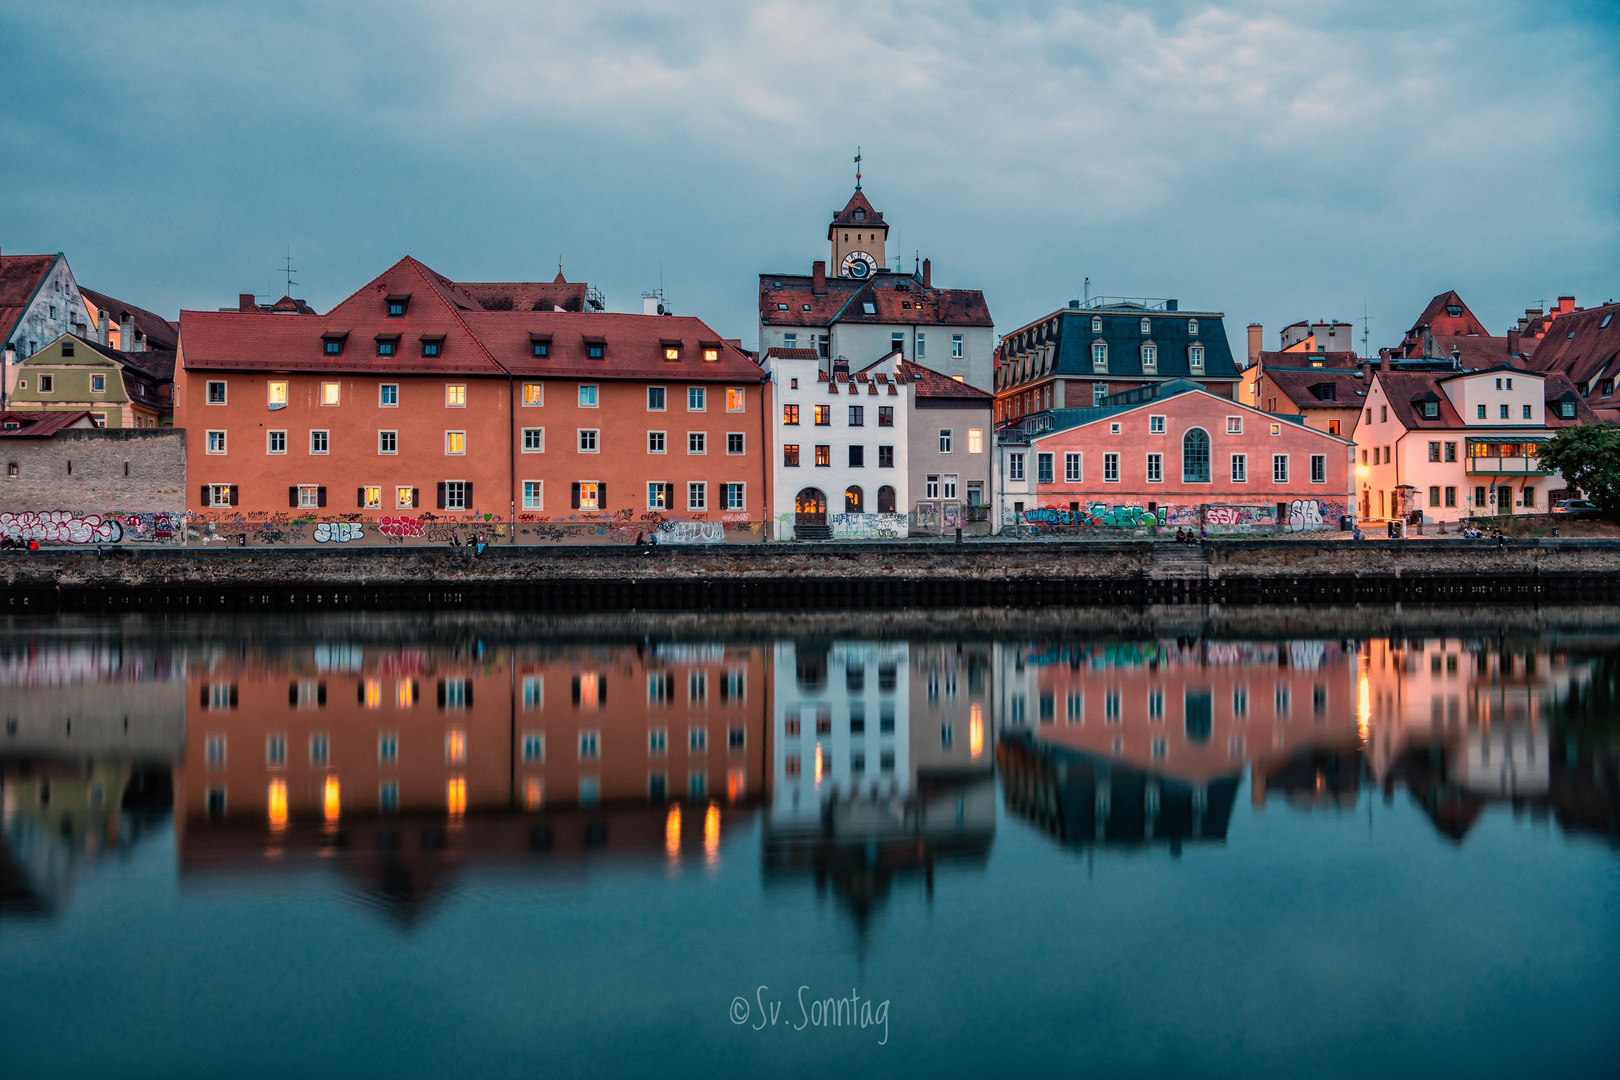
{"points": [[857, 168], [1088, 292], [289, 270], [1364, 320]]}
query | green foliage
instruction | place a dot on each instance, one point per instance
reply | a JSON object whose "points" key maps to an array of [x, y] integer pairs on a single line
{"points": [[1589, 458]]}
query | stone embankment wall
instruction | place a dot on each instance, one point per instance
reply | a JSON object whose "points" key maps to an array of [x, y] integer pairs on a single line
{"points": [[799, 577]]}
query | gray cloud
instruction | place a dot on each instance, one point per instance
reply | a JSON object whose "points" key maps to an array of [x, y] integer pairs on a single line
{"points": [[1273, 160]]}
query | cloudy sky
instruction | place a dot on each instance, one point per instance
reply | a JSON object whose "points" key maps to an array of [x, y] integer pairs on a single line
{"points": [[1271, 160]]}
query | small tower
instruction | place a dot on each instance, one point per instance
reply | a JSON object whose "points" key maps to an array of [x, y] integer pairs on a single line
{"points": [[859, 239]]}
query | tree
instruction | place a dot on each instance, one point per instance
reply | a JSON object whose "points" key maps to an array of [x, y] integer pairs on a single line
{"points": [[1589, 458]]}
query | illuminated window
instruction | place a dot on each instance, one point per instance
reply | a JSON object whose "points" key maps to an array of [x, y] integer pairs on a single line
{"points": [[589, 690], [455, 442], [534, 393], [455, 395], [404, 498], [823, 415], [406, 693], [975, 441], [589, 493], [532, 791], [371, 691], [371, 498], [736, 398], [331, 393], [711, 355], [277, 801], [790, 455], [672, 352], [455, 746], [278, 394], [824, 455]]}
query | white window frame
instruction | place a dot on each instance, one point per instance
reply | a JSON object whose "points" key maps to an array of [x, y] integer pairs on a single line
{"points": [[931, 486], [946, 440], [1111, 468], [950, 484], [1156, 425], [539, 395], [208, 391], [1279, 468], [450, 395], [698, 394], [382, 396], [269, 441], [1015, 465], [382, 434], [535, 499], [455, 491], [1240, 468], [658, 408], [1154, 464], [219, 494], [741, 395], [309, 496], [367, 489], [211, 438], [975, 440], [102, 389], [450, 435], [697, 495], [539, 434], [1234, 425], [1318, 468], [326, 438], [594, 392], [1073, 468], [698, 440], [739, 490], [742, 437], [662, 439], [595, 440], [331, 394], [956, 346], [410, 493], [270, 392]]}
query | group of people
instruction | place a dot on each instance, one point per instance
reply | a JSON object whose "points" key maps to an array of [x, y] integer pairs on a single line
{"points": [[1188, 536], [477, 542], [7, 543]]}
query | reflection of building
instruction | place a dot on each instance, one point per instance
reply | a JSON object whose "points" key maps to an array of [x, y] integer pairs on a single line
{"points": [[423, 759], [881, 763]]}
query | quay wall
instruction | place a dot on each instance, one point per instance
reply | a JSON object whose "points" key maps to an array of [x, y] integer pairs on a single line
{"points": [[798, 577]]}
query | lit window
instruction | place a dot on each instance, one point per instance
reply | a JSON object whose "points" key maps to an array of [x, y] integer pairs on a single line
{"points": [[710, 355], [588, 496], [406, 693], [455, 442], [455, 740], [672, 352], [371, 498], [216, 442], [975, 441], [534, 393], [404, 498], [736, 397], [455, 395], [331, 393], [278, 394]]}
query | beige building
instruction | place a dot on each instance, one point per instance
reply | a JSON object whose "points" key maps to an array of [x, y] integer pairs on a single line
{"points": [[117, 389]]}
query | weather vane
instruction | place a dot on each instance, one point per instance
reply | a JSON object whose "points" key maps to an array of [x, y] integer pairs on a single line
{"points": [[857, 168]]}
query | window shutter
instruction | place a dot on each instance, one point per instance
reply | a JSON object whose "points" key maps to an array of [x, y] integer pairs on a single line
{"points": [[416, 498], [669, 496], [441, 496], [292, 693], [601, 496], [601, 690], [236, 495], [468, 702], [203, 495], [574, 498], [320, 496], [441, 693], [361, 687], [292, 495], [466, 496], [233, 695], [204, 701], [576, 690], [320, 694], [360, 497]]}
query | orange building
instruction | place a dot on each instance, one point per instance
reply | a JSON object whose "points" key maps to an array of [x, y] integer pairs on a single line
{"points": [[411, 413]]}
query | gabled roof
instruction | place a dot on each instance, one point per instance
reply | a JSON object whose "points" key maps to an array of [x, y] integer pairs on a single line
{"points": [[932, 384], [1403, 388], [1303, 387], [896, 299], [1443, 324], [21, 277], [157, 330], [1579, 345], [41, 425], [845, 218], [634, 346], [1557, 388]]}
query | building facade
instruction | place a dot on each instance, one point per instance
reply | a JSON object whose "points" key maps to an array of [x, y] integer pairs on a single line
{"points": [[949, 454], [39, 302], [854, 307], [118, 390]]}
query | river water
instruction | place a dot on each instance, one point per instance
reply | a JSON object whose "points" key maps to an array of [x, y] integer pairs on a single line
{"points": [[375, 846]]}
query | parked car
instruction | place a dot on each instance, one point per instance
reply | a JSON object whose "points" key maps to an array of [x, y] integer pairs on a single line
{"points": [[1576, 506]]}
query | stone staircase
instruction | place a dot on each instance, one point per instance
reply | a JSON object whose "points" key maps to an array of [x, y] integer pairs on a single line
{"points": [[812, 532], [1179, 561]]}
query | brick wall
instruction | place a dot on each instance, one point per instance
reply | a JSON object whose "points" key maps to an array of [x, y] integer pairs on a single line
{"points": [[123, 478]]}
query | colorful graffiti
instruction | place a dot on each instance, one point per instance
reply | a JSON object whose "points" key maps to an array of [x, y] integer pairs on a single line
{"points": [[928, 516], [1310, 515], [1235, 518], [691, 532], [1123, 517], [152, 528], [61, 527], [401, 526], [869, 526], [338, 532]]}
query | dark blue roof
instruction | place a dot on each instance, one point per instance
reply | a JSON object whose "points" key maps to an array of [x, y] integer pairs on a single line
{"points": [[1122, 332]]}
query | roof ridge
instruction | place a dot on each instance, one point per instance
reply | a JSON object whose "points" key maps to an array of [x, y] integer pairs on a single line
{"points": [[455, 312]]}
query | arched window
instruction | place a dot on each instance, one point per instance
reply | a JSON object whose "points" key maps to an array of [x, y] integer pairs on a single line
{"points": [[1096, 324], [1192, 327], [885, 499], [853, 497], [1147, 326], [1195, 457]]}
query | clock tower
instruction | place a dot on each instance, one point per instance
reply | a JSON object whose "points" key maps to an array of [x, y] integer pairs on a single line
{"points": [[859, 240]]}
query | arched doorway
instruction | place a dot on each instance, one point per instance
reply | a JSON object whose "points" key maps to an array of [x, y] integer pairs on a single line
{"points": [[854, 500], [885, 499], [810, 507]]}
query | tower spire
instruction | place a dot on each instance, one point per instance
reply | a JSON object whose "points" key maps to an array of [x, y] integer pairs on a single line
{"points": [[857, 168]]}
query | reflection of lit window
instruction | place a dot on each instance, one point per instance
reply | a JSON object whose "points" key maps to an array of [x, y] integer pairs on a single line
{"points": [[405, 693], [455, 796], [711, 831], [455, 745], [531, 793], [330, 800], [278, 803], [976, 730], [371, 693], [736, 784], [672, 831]]}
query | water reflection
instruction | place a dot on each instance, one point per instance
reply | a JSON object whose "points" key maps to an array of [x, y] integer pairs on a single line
{"points": [[862, 765]]}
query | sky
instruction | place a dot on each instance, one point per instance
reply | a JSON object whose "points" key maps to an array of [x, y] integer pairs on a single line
{"points": [[1274, 161]]}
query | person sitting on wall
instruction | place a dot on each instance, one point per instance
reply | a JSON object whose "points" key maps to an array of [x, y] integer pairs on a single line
{"points": [[1181, 536]]}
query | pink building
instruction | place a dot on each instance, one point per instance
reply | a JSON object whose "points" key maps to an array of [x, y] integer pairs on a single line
{"points": [[1185, 458]]}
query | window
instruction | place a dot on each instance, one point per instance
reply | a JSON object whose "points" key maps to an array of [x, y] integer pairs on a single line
{"points": [[1155, 425], [672, 353], [956, 345], [590, 745], [790, 455], [656, 442], [1529, 496], [455, 395], [277, 442], [1451, 451], [823, 455], [455, 442], [1234, 425], [1451, 496], [1150, 356], [697, 495], [885, 416], [534, 742], [534, 495], [1318, 468], [944, 440], [697, 740], [219, 494], [1434, 496], [734, 442], [277, 394], [455, 494], [975, 440], [1509, 383], [319, 749], [216, 390], [1240, 468], [534, 440], [387, 442], [216, 442], [432, 347], [1279, 468], [98, 383], [387, 395], [1110, 468], [790, 414], [1043, 471], [1098, 392], [736, 398], [660, 496], [1434, 451], [534, 393], [404, 498], [657, 741], [932, 486], [1481, 412], [1155, 468], [732, 496], [1192, 327], [694, 399], [1527, 412], [1096, 325], [371, 498], [885, 457], [1147, 326], [1566, 409], [1071, 468], [1195, 457], [589, 496], [595, 350], [823, 415], [1099, 355], [1195, 357], [1015, 466], [387, 346], [587, 396], [275, 750], [897, 343], [318, 442], [922, 345], [697, 442], [1383, 414], [1504, 410], [587, 440]]}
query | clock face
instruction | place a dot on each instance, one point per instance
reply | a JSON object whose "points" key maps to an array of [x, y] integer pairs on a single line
{"points": [[858, 264]]}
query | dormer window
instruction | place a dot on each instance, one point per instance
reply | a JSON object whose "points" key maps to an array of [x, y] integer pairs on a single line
{"points": [[539, 346], [1431, 410], [1454, 310], [388, 346], [1566, 409], [860, 215], [672, 351], [333, 344], [781, 307], [1099, 355], [869, 307], [1150, 356], [711, 352], [432, 348], [1147, 326], [1096, 324], [1195, 357], [1192, 327], [595, 350], [397, 305]]}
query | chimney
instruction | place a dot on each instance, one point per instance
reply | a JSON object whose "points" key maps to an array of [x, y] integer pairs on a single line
{"points": [[840, 366], [1255, 330], [126, 332], [1566, 304], [818, 277], [101, 325], [1383, 359], [1513, 342], [928, 273], [244, 302]]}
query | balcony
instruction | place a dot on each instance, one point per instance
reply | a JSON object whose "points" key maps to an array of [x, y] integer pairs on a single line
{"points": [[1506, 466]]}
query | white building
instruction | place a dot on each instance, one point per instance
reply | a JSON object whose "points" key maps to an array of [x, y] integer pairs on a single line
{"points": [[838, 450], [1458, 444]]}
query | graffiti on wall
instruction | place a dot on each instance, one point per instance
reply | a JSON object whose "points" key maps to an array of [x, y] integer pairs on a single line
{"points": [[152, 528], [1309, 515], [337, 532], [400, 526], [1239, 518], [928, 516], [1097, 514], [869, 526], [691, 532], [1182, 516], [61, 527]]}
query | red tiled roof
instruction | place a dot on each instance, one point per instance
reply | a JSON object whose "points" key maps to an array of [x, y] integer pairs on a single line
{"points": [[895, 299], [528, 295], [20, 279], [792, 354], [1402, 388], [157, 330], [1557, 387], [635, 346], [845, 218], [931, 384], [1270, 360], [1350, 392], [1442, 325], [38, 425], [1474, 352], [1579, 345]]}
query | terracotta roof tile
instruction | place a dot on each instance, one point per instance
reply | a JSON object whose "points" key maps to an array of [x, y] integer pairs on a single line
{"points": [[37, 425], [1301, 387], [894, 298], [157, 330], [20, 278]]}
